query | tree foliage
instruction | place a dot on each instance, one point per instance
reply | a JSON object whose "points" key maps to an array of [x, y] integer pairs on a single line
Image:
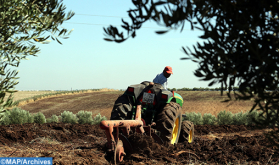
{"points": [[240, 45], [23, 24]]}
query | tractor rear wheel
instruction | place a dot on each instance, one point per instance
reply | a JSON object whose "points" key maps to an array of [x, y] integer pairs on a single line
{"points": [[187, 132], [122, 108], [168, 122]]}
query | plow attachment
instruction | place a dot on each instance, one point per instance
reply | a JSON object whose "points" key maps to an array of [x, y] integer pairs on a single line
{"points": [[117, 132]]}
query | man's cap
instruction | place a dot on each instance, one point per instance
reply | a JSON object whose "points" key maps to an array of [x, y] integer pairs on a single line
{"points": [[168, 69]]}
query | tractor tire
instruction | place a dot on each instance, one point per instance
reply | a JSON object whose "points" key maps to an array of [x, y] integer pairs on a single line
{"points": [[168, 123], [122, 109], [187, 132]]}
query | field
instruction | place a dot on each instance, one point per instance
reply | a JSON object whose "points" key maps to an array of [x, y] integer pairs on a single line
{"points": [[85, 144], [27, 94], [102, 102]]}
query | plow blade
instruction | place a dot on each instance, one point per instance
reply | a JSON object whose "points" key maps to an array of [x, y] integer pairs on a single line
{"points": [[117, 141]]}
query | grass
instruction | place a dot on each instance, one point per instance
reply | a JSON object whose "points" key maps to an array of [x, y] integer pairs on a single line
{"points": [[24, 97], [19, 95], [29, 94]]}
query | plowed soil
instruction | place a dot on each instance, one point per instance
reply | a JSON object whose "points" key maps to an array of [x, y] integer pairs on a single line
{"points": [[85, 144]]}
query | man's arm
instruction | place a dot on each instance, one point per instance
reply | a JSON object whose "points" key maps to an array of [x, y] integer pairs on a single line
{"points": [[155, 80]]}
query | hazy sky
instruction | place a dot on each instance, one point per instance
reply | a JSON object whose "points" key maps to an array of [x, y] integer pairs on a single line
{"points": [[87, 61]]}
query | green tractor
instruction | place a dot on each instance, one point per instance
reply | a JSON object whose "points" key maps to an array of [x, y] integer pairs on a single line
{"points": [[162, 109]]}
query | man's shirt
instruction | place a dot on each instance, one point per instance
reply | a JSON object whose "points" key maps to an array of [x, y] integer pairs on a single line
{"points": [[161, 79]]}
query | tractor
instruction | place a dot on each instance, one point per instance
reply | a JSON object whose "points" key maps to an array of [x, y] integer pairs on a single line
{"points": [[149, 109]]}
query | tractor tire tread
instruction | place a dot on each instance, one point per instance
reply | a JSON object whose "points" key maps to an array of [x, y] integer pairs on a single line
{"points": [[166, 118], [122, 108], [186, 127]]}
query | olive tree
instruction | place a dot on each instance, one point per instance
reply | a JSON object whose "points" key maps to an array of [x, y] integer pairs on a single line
{"points": [[239, 48], [24, 24]]}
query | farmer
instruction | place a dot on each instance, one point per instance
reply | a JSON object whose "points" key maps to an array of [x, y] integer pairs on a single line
{"points": [[162, 78]]}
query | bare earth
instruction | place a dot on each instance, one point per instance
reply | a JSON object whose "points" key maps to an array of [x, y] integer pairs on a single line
{"points": [[85, 144]]}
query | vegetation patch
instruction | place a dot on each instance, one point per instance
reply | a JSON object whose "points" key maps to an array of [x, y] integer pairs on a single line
{"points": [[39, 118], [84, 117], [19, 116], [224, 118]]}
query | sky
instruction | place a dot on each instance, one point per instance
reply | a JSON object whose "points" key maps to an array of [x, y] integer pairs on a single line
{"points": [[86, 61]]}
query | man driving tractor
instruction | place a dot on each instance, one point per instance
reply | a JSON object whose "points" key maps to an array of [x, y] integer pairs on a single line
{"points": [[162, 78]]}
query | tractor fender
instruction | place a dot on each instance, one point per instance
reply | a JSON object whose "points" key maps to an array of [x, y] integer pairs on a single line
{"points": [[177, 98]]}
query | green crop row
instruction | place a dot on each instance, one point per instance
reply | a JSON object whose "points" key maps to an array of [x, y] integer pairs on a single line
{"points": [[223, 118], [19, 116]]}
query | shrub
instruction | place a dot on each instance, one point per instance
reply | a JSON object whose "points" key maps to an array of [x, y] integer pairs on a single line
{"points": [[59, 119], [84, 117], [196, 118], [18, 116], [251, 116], [5, 119], [209, 119], [256, 116], [68, 117], [30, 118], [240, 118], [54, 119], [187, 116], [39, 118], [224, 117], [98, 118], [48, 120]]}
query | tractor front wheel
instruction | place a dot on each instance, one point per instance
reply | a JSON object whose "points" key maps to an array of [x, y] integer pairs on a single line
{"points": [[168, 122]]}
